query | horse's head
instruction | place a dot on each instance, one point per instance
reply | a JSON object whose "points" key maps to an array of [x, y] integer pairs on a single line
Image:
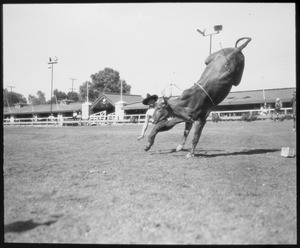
{"points": [[161, 110]]}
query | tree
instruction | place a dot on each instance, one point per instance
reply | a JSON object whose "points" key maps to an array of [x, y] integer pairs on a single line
{"points": [[10, 98], [93, 93], [73, 96], [59, 95], [107, 80], [39, 99]]}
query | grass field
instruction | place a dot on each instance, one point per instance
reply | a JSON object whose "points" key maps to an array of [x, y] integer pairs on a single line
{"points": [[97, 185]]}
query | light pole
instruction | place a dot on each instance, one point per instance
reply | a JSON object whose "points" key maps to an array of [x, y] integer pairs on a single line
{"points": [[51, 63], [87, 92], [217, 29]]}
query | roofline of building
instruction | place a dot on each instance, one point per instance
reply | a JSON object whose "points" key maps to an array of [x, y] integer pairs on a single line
{"points": [[286, 88], [113, 93], [99, 98], [107, 94]]}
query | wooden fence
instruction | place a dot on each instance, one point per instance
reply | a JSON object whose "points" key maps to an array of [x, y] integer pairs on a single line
{"points": [[102, 119]]}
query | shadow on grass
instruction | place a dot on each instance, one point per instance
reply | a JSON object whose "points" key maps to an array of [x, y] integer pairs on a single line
{"points": [[174, 151], [23, 226], [204, 153], [243, 152]]}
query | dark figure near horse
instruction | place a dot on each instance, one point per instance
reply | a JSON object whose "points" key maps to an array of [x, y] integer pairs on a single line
{"points": [[223, 69]]}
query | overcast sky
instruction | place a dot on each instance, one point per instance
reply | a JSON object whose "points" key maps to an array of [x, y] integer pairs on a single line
{"points": [[151, 45]]}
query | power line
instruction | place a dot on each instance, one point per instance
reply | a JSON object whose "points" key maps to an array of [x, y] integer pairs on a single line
{"points": [[9, 86], [73, 79]]}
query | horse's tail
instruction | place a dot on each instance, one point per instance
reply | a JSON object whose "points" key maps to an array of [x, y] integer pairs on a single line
{"points": [[241, 47]]}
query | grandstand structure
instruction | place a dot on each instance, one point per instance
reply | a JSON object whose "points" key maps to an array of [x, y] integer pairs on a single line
{"points": [[239, 100], [129, 107]]}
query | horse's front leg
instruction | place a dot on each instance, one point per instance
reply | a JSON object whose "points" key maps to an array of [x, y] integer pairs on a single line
{"points": [[198, 130], [187, 129], [160, 127]]}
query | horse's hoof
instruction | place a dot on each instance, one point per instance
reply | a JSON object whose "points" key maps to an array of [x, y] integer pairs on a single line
{"points": [[190, 155], [147, 148], [179, 148]]}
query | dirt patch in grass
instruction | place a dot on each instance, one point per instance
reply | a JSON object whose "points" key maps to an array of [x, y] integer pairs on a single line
{"points": [[97, 185]]}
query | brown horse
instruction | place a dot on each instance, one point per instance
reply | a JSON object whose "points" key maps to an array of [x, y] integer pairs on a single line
{"points": [[223, 69]]}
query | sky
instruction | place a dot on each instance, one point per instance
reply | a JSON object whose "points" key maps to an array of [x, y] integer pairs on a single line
{"points": [[151, 45]]}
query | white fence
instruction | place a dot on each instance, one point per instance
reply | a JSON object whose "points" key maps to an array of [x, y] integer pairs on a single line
{"points": [[102, 118], [237, 115]]}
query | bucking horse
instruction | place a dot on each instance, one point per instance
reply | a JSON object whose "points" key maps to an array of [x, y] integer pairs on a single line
{"points": [[224, 68]]}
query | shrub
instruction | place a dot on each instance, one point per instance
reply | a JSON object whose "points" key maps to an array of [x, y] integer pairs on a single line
{"points": [[249, 117], [281, 117], [215, 117], [288, 117]]}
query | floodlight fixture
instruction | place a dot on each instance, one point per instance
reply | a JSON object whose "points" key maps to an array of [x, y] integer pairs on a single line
{"points": [[217, 29]]}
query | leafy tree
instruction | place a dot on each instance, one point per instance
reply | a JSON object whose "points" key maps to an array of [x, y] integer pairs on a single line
{"points": [[59, 95], [93, 93], [107, 80], [39, 99], [73, 96], [10, 98]]}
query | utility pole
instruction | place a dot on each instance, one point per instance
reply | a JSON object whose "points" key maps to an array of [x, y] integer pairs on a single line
{"points": [[9, 86], [73, 83], [121, 89], [51, 63], [87, 92]]}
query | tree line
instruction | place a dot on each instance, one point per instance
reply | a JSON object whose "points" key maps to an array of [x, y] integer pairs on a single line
{"points": [[103, 81]]}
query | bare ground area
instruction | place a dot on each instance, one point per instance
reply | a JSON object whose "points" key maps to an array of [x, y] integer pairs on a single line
{"points": [[96, 185]]}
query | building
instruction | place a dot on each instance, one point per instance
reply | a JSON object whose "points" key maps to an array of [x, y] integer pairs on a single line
{"points": [[65, 108], [238, 100], [253, 99], [109, 102], [132, 104]]}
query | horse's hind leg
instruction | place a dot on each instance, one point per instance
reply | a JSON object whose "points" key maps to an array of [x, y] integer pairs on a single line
{"points": [[188, 127]]}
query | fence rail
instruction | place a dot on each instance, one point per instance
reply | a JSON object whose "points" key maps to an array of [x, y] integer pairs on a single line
{"points": [[103, 119]]}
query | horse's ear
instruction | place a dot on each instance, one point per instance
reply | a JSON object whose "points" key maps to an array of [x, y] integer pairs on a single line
{"points": [[165, 100]]}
